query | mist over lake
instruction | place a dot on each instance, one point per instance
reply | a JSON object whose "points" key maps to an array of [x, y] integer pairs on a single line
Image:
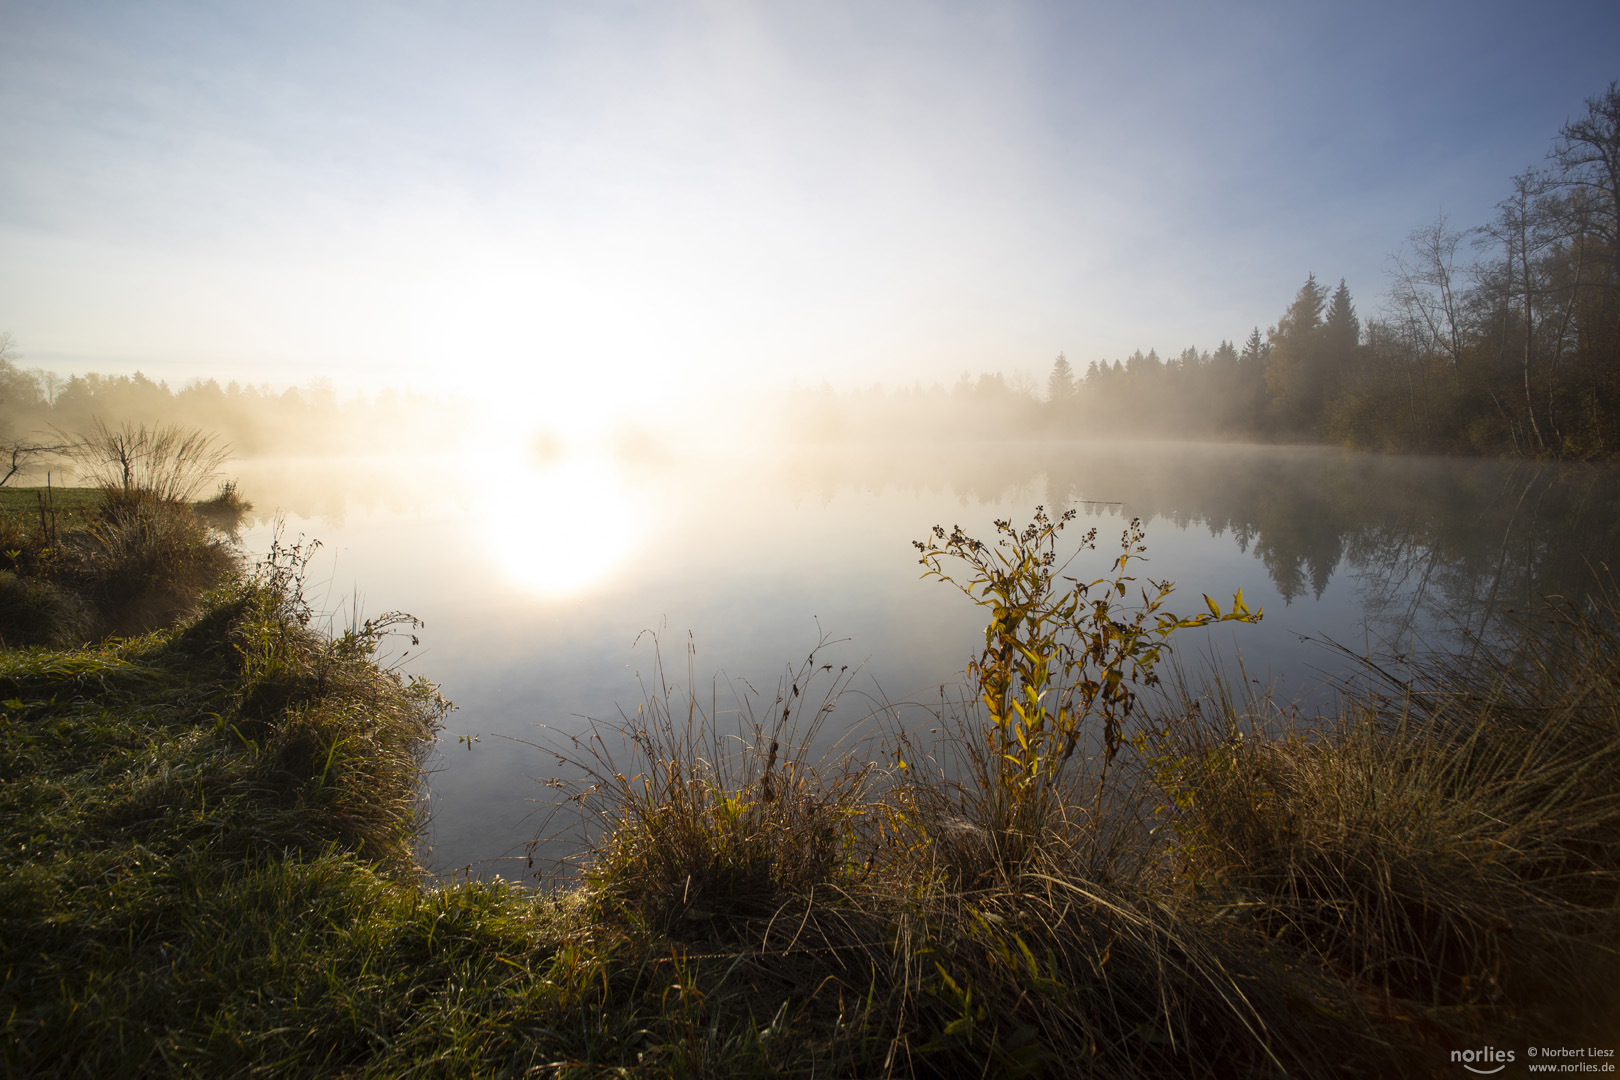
{"points": [[537, 579], [809, 540]]}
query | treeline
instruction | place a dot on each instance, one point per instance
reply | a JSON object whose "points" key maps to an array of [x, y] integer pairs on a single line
{"points": [[37, 405], [1498, 339]]}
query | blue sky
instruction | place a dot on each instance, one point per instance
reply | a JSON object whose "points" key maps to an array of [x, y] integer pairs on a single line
{"points": [[534, 196]]}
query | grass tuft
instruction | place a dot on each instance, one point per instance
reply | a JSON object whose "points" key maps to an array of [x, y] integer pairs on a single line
{"points": [[1453, 842], [226, 508], [37, 611], [694, 826]]}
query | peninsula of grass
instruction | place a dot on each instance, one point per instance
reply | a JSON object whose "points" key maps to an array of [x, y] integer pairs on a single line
{"points": [[29, 501], [209, 833]]}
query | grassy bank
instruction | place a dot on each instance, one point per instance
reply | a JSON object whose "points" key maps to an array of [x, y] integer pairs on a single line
{"points": [[28, 501], [85, 563], [208, 830]]}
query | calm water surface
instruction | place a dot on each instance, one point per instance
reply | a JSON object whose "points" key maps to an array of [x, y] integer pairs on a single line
{"points": [[537, 580]]}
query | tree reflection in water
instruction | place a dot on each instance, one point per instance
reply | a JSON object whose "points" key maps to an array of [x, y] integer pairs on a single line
{"points": [[1433, 545]]}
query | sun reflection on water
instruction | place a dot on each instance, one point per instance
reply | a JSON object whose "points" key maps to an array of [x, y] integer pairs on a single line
{"points": [[559, 529]]}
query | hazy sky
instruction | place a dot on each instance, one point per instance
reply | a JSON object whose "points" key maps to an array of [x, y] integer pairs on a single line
{"points": [[575, 199]]}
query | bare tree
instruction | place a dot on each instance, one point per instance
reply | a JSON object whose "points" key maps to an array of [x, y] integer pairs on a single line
{"points": [[1425, 288], [1588, 156], [20, 457], [16, 456], [50, 383], [1520, 227]]}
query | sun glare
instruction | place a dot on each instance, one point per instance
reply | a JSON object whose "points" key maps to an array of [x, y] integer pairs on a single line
{"points": [[561, 529]]}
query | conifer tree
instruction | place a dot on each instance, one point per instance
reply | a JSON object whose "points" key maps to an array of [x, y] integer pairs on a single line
{"points": [[1341, 333], [1060, 383], [1294, 376], [1254, 351]]}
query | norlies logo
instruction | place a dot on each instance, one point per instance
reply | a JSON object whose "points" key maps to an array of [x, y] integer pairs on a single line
{"points": [[1485, 1056]]}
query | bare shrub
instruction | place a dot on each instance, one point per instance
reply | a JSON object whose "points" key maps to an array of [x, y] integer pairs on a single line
{"points": [[166, 462], [19, 457]]}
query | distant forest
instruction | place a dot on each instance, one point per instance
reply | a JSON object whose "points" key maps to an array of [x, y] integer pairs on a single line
{"points": [[36, 404], [1503, 338]]}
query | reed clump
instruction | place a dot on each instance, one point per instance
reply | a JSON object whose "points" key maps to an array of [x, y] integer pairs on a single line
{"points": [[132, 463], [692, 826], [226, 508], [142, 563], [1451, 845], [149, 555]]}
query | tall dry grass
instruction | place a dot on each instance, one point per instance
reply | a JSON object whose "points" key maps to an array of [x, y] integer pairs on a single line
{"points": [[167, 463], [1450, 843], [694, 817], [144, 563], [141, 559]]}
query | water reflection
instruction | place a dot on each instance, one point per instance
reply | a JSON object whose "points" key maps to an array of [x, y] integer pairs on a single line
{"points": [[1450, 540], [557, 528], [535, 578]]}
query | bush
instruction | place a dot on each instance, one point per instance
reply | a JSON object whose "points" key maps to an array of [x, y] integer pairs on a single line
{"points": [[35, 611], [1062, 664], [146, 563]]}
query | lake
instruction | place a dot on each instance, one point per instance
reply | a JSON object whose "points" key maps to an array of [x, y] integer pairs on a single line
{"points": [[537, 578]]}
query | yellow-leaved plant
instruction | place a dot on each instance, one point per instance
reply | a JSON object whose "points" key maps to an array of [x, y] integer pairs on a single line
{"points": [[1063, 658]]}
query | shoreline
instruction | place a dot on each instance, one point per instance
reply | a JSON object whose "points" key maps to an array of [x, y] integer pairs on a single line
{"points": [[209, 838]]}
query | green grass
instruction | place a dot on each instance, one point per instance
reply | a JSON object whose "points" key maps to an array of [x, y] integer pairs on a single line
{"points": [[25, 500], [191, 879]]}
